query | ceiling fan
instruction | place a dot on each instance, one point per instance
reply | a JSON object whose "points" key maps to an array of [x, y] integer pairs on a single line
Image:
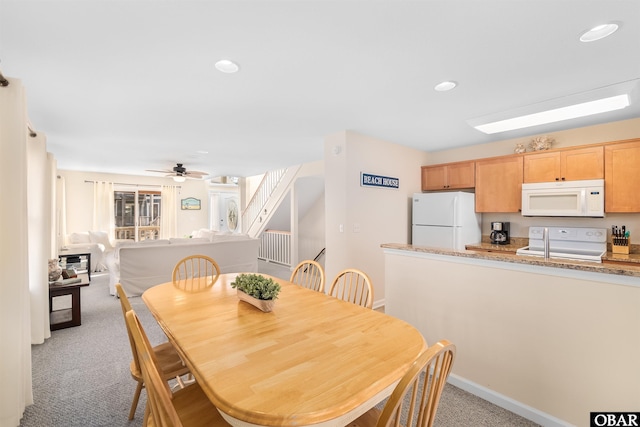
{"points": [[179, 173]]}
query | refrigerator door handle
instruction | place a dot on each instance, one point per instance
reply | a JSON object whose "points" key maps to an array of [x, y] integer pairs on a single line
{"points": [[456, 237], [456, 208]]}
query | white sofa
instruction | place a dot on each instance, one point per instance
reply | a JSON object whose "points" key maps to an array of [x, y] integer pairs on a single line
{"points": [[139, 266]]}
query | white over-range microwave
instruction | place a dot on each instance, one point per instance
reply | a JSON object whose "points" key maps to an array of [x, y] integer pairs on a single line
{"points": [[564, 198]]}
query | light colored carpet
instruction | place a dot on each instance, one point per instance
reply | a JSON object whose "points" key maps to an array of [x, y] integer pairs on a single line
{"points": [[81, 375]]}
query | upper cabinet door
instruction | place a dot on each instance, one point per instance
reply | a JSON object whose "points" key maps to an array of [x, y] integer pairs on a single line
{"points": [[622, 176], [499, 184], [542, 167], [565, 165], [582, 163], [462, 175], [448, 176], [434, 178]]}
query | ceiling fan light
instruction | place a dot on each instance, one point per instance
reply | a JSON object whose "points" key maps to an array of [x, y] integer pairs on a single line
{"points": [[179, 178]]}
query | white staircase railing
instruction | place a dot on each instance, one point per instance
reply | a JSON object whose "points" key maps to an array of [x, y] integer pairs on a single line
{"points": [[270, 192], [275, 246]]}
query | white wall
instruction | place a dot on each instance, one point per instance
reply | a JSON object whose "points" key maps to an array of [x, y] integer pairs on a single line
{"points": [[79, 195], [368, 216], [562, 345], [311, 230]]}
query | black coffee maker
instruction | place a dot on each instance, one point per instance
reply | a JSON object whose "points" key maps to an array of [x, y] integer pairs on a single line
{"points": [[499, 233]]}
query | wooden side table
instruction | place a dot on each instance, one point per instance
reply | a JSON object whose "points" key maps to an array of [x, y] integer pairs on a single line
{"points": [[67, 317]]}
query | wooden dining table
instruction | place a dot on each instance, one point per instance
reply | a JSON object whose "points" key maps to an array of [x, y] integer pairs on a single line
{"points": [[313, 360]]}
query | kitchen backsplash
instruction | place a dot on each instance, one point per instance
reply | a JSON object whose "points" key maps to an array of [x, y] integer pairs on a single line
{"points": [[519, 225], [514, 242]]}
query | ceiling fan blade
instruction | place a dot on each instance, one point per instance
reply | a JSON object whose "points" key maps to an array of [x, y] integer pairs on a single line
{"points": [[196, 173], [180, 170]]}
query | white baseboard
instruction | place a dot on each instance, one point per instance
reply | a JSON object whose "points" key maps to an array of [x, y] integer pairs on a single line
{"points": [[507, 403], [378, 303]]}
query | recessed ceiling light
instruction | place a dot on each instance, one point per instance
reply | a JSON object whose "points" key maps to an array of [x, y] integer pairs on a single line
{"points": [[227, 66], [445, 86], [599, 32], [202, 152]]}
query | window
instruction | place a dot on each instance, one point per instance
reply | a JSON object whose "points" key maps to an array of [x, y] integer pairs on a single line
{"points": [[137, 214]]}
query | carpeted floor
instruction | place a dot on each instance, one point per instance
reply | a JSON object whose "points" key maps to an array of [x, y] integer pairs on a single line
{"points": [[81, 375]]}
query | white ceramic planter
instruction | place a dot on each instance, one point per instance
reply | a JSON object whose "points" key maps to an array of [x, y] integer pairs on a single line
{"points": [[264, 305]]}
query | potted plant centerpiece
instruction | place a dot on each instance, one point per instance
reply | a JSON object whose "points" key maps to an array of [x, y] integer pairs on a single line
{"points": [[257, 290]]}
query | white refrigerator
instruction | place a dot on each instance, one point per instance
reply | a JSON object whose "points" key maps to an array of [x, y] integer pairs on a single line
{"points": [[445, 220]]}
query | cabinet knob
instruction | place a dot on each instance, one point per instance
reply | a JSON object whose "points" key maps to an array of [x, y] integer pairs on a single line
{"points": [[557, 179], [563, 178]]}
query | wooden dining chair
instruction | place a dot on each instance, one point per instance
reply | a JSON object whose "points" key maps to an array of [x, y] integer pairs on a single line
{"points": [[309, 274], [187, 407], [354, 286], [169, 362], [195, 273], [422, 384]]}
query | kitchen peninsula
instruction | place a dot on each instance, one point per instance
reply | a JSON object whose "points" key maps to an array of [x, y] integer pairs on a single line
{"points": [[551, 339]]}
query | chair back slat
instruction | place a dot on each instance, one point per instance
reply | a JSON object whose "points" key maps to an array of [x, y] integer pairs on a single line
{"points": [[354, 286], [425, 380], [126, 306], [195, 273], [309, 274], [158, 392]]}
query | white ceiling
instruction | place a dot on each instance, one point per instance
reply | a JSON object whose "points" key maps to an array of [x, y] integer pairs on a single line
{"points": [[124, 86]]}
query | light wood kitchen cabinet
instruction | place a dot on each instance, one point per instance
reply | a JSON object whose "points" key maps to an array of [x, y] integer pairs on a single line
{"points": [[565, 165], [499, 184], [622, 177], [448, 176]]}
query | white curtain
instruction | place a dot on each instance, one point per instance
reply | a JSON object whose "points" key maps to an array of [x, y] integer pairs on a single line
{"points": [[103, 210], [169, 212], [15, 323], [39, 231], [61, 212]]}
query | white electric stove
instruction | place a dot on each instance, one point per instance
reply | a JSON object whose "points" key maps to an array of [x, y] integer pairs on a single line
{"points": [[575, 243]]}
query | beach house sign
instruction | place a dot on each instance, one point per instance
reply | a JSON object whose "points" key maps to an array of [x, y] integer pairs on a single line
{"points": [[370, 180]]}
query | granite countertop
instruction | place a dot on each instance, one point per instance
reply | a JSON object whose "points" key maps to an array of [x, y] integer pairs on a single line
{"points": [[515, 243], [632, 258], [518, 242], [624, 265]]}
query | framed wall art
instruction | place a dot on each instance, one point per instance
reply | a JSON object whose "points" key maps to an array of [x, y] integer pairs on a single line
{"points": [[190, 203]]}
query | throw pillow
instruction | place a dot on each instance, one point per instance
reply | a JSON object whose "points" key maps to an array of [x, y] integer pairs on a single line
{"points": [[229, 237], [101, 237], [206, 234], [75, 238]]}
